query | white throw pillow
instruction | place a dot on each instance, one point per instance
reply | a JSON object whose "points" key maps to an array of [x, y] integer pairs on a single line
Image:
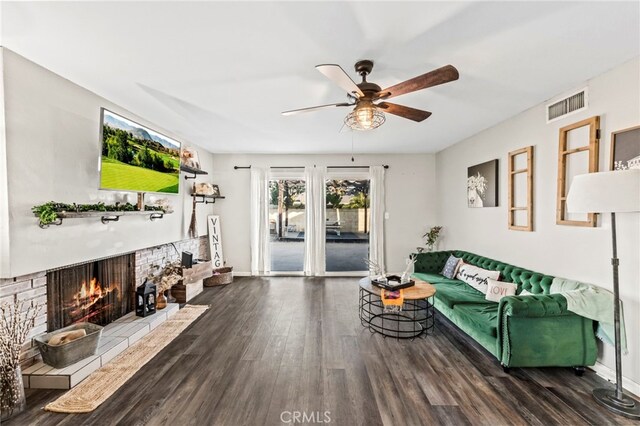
{"points": [[526, 293], [499, 289], [476, 277]]}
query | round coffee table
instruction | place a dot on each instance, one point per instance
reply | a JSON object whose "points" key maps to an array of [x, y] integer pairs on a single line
{"points": [[416, 318]]}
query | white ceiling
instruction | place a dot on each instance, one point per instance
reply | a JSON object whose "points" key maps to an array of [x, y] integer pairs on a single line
{"points": [[219, 73]]}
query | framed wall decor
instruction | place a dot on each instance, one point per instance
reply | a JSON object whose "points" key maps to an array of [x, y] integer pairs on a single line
{"points": [[520, 189], [482, 185], [625, 149], [577, 154]]}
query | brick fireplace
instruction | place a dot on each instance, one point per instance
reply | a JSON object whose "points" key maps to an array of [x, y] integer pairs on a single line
{"points": [[98, 292], [35, 288]]}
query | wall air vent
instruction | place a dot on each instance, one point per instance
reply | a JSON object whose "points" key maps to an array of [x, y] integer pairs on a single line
{"points": [[568, 105]]}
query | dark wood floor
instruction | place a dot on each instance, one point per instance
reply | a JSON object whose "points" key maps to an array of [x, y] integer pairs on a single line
{"points": [[269, 346]]}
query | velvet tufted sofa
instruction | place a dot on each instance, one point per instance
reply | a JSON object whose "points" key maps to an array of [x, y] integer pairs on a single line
{"points": [[521, 331]]}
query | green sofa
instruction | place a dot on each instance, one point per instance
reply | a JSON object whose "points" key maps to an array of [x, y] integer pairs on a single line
{"points": [[521, 331]]}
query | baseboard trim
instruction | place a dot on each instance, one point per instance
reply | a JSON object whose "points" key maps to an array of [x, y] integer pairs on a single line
{"points": [[241, 274], [610, 375]]}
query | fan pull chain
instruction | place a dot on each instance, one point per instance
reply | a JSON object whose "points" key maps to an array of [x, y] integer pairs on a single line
{"points": [[352, 159]]}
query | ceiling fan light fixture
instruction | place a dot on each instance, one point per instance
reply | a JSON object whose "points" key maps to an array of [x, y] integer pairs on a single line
{"points": [[365, 116]]}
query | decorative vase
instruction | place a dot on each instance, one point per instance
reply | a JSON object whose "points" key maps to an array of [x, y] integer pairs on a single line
{"points": [[161, 301], [13, 391], [170, 298]]}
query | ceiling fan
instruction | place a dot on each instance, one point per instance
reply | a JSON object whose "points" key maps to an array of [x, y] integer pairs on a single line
{"points": [[366, 96]]}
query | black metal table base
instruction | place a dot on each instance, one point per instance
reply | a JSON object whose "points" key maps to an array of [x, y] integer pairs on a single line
{"points": [[416, 319]]}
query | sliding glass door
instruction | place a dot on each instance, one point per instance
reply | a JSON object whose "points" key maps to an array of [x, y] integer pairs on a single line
{"points": [[287, 221], [347, 224], [319, 221]]}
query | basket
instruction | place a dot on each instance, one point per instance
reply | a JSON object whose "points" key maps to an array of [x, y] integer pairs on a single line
{"points": [[222, 276], [72, 352]]}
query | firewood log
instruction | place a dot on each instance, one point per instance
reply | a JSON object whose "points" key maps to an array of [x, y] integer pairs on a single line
{"points": [[67, 337]]}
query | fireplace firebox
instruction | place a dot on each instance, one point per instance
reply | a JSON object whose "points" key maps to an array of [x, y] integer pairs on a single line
{"points": [[98, 292]]}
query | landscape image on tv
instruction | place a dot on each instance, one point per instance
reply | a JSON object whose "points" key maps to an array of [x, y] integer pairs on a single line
{"points": [[136, 158]]}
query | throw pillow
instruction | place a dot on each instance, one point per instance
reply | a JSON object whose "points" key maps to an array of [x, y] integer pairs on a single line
{"points": [[476, 277], [499, 289], [526, 293], [451, 267]]}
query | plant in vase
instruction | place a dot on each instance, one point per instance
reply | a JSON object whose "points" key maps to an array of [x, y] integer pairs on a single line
{"points": [[170, 275], [16, 321], [431, 237]]}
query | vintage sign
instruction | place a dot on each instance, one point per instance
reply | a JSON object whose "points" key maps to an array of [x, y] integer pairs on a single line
{"points": [[215, 242]]}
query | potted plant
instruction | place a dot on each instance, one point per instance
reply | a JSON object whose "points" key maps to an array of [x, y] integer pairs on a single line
{"points": [[431, 238], [170, 275], [16, 321]]}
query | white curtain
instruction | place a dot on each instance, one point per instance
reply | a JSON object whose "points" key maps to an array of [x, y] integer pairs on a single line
{"points": [[314, 249], [259, 222], [376, 236]]}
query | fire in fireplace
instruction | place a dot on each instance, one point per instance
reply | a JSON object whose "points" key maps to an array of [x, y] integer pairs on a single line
{"points": [[98, 292]]}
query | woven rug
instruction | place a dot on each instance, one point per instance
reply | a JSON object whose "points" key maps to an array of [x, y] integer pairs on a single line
{"points": [[105, 381]]}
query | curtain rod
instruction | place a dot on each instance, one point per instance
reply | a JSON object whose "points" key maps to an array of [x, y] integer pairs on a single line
{"points": [[302, 167]]}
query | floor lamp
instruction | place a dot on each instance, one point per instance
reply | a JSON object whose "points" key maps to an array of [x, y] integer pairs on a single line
{"points": [[610, 192]]}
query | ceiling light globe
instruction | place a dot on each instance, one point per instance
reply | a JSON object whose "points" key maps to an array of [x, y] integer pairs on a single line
{"points": [[365, 116]]}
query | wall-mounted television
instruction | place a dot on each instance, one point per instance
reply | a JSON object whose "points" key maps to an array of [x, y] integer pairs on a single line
{"points": [[136, 158]]}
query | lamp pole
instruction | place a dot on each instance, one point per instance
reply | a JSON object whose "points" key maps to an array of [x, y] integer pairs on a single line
{"points": [[617, 402], [616, 309]]}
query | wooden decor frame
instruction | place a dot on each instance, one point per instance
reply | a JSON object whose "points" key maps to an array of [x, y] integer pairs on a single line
{"points": [[528, 151], [593, 148]]}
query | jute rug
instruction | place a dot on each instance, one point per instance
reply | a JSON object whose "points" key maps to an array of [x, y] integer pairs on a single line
{"points": [[105, 381]]}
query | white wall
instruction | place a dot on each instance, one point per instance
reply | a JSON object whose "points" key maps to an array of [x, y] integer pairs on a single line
{"points": [[4, 195], [53, 147], [573, 252], [409, 196]]}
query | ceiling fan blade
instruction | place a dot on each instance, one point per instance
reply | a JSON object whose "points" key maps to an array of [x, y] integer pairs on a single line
{"points": [[404, 111], [315, 108], [336, 74], [433, 78]]}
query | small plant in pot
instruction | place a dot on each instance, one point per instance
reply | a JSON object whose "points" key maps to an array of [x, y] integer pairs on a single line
{"points": [[16, 321], [170, 275], [431, 238]]}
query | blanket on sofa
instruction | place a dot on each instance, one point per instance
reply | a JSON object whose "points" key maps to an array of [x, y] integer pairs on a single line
{"points": [[595, 303]]}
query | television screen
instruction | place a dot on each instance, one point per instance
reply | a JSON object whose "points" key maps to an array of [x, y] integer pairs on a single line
{"points": [[136, 158]]}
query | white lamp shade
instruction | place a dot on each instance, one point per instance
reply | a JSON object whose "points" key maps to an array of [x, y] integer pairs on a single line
{"points": [[605, 192]]}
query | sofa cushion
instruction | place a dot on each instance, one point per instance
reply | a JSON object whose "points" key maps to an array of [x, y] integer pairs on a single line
{"points": [[483, 316], [433, 278], [455, 293], [451, 267], [499, 289], [476, 277]]}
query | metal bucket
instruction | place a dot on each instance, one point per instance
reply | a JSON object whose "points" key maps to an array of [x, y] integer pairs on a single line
{"points": [[64, 355]]}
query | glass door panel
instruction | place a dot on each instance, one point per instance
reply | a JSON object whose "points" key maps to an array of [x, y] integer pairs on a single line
{"points": [[347, 225], [287, 222]]}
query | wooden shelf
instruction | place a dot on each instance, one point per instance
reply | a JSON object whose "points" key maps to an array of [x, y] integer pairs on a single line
{"points": [[105, 217], [192, 171], [205, 198]]}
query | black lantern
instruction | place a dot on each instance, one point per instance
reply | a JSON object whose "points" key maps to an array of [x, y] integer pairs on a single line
{"points": [[146, 299]]}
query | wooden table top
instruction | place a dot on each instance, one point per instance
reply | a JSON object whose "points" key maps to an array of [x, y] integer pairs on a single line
{"points": [[422, 289]]}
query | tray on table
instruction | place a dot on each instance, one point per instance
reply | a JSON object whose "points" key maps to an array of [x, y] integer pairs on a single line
{"points": [[393, 283]]}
